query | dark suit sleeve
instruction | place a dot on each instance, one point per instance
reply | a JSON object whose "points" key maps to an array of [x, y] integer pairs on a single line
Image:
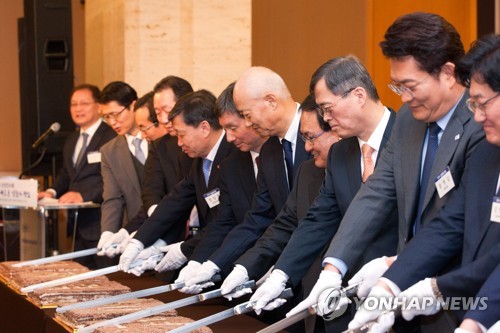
{"points": [[255, 222], [490, 294], [213, 234], [369, 212], [266, 251], [169, 217], [154, 184], [434, 246], [313, 232]]}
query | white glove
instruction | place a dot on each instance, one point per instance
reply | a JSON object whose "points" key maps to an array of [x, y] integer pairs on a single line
{"points": [[383, 324], [148, 258], [236, 278], [105, 236], [427, 303], [461, 330], [327, 279], [130, 254], [173, 259], [121, 241], [368, 275], [189, 270], [364, 314], [200, 278], [332, 303], [266, 297]]}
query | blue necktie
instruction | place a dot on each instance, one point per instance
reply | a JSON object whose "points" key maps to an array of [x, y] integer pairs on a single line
{"points": [[139, 154], [206, 169], [287, 149], [432, 147]]}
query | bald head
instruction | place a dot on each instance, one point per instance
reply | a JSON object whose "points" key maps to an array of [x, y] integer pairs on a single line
{"points": [[263, 98], [256, 82]]}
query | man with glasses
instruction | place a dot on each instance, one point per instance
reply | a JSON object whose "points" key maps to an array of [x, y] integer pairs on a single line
{"points": [[348, 101], [80, 178], [146, 119], [165, 166], [123, 160], [467, 225], [430, 145]]}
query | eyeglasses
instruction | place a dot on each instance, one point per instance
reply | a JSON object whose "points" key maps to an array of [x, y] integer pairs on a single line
{"points": [[327, 109], [400, 89], [311, 138], [481, 107], [144, 129], [82, 104], [114, 115]]}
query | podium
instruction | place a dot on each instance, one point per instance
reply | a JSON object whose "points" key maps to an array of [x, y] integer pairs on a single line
{"points": [[37, 232]]}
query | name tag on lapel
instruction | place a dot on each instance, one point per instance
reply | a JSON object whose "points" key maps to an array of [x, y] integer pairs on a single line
{"points": [[495, 210], [94, 157], [444, 182], [212, 198]]}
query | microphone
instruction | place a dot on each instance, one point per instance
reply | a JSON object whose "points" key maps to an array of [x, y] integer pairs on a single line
{"points": [[54, 128]]}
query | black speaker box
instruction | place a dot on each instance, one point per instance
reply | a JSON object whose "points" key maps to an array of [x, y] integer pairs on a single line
{"points": [[46, 77]]}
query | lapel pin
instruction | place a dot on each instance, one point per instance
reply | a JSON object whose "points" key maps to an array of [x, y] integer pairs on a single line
{"points": [[457, 137]]}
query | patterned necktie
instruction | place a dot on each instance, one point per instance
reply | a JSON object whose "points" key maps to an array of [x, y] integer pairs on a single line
{"points": [[432, 147], [287, 149], [139, 154], [206, 169], [368, 165], [81, 154]]}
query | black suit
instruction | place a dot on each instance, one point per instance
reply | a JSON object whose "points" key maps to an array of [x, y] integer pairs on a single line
{"points": [[268, 248], [168, 220], [342, 181], [165, 166], [237, 187], [272, 193], [85, 179], [462, 226]]}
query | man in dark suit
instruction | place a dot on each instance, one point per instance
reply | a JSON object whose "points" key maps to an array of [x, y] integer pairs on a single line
{"points": [[237, 184], [165, 165], [200, 137], [123, 159], [362, 120], [468, 224], [263, 99], [433, 135], [80, 178]]}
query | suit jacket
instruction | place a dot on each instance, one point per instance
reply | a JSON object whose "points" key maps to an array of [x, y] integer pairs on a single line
{"points": [[316, 229], [237, 186], [85, 178], [259, 259], [165, 166], [462, 226], [271, 195], [168, 220], [122, 185], [491, 291], [396, 181]]}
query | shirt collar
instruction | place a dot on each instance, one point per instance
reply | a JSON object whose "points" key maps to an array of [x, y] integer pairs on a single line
{"points": [[92, 129], [377, 135], [293, 129], [215, 148]]}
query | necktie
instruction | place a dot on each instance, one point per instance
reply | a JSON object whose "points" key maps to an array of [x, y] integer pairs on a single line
{"points": [[81, 154], [139, 154], [287, 149], [206, 169], [368, 165], [432, 147]]}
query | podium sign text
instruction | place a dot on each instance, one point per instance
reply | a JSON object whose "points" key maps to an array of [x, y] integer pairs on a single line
{"points": [[18, 192]]}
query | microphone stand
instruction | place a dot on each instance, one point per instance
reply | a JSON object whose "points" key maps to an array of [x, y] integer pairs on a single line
{"points": [[37, 162]]}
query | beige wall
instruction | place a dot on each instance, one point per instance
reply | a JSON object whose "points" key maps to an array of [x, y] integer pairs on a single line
{"points": [[204, 41]]}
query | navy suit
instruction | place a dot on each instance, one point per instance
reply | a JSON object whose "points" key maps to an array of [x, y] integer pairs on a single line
{"points": [[237, 186], [168, 220], [271, 195], [86, 179], [463, 227]]}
